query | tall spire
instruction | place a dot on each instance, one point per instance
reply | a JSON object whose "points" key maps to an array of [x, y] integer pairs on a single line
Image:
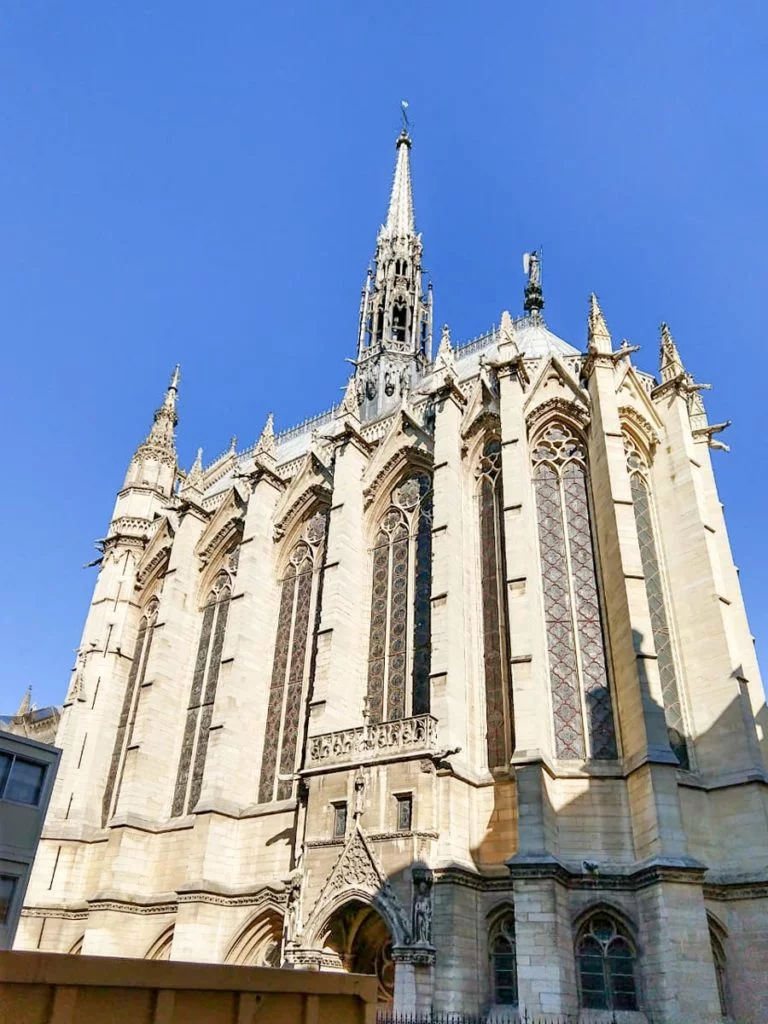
{"points": [[154, 461], [395, 327], [166, 419], [400, 219]]}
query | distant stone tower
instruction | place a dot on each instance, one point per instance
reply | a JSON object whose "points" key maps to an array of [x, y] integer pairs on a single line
{"points": [[452, 684]]}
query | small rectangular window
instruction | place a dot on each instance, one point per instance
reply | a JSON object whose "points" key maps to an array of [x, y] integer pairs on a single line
{"points": [[23, 781], [404, 812], [7, 889], [340, 819], [6, 760]]}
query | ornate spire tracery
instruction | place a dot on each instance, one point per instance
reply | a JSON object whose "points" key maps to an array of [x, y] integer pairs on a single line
{"points": [[395, 329]]}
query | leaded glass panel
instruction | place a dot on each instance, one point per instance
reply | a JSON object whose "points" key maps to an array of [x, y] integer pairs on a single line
{"points": [[575, 638], [400, 628], [504, 962], [606, 963], [293, 654], [498, 691], [662, 640], [201, 698], [129, 711]]}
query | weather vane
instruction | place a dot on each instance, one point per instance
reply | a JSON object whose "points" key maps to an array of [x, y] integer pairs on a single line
{"points": [[404, 112]]}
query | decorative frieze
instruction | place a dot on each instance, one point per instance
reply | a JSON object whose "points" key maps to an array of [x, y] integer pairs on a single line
{"points": [[401, 738]]}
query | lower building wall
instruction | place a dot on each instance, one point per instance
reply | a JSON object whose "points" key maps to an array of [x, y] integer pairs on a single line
{"points": [[37, 988]]}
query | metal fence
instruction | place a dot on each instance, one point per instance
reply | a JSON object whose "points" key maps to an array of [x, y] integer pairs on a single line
{"points": [[385, 1017], [513, 1017]]}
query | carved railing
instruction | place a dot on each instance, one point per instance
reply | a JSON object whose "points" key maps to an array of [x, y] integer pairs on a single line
{"points": [[406, 736]]}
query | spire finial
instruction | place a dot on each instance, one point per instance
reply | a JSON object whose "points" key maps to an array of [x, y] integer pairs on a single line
{"points": [[400, 219], [445, 359], [670, 363], [598, 335], [534, 298], [266, 443], [26, 703]]}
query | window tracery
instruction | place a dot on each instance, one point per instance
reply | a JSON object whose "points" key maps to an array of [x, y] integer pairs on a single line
{"points": [[719, 960], [129, 711], [637, 467], [202, 696], [575, 639], [606, 957], [503, 956], [498, 691], [400, 604], [296, 625]]}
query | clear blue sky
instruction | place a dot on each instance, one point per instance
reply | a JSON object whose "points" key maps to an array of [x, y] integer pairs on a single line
{"points": [[203, 182]]}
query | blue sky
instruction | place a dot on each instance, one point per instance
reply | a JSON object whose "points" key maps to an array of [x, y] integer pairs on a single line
{"points": [[203, 182]]}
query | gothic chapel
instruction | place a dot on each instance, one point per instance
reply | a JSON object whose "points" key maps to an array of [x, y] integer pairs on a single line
{"points": [[451, 684]]}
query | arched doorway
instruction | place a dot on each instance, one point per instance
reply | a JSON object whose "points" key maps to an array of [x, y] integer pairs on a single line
{"points": [[359, 936]]}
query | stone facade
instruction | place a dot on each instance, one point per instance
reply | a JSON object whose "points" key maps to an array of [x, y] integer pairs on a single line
{"points": [[452, 684]]}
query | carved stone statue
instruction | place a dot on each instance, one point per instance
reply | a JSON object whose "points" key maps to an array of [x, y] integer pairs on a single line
{"points": [[292, 918], [532, 263], [422, 907]]}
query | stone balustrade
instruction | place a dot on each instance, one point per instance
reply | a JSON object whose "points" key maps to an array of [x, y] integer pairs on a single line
{"points": [[373, 742]]}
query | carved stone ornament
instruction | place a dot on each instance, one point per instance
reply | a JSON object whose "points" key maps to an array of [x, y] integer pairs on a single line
{"points": [[421, 907]]}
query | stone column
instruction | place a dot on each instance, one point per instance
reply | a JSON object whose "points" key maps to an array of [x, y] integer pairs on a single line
{"points": [[235, 745], [342, 641], [527, 635], [638, 700], [449, 697], [151, 760], [721, 675]]}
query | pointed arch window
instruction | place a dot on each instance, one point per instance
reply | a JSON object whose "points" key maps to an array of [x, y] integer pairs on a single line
{"points": [[503, 955], [399, 321], [606, 960], [300, 596], [581, 700], [500, 733], [718, 958], [129, 711], [189, 778], [399, 653], [637, 466]]}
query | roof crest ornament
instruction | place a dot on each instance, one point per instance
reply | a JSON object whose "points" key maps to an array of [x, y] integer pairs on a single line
{"points": [[534, 298], [598, 335]]}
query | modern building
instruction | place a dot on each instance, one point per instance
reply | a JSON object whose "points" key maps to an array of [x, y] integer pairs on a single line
{"points": [[452, 683], [27, 772]]}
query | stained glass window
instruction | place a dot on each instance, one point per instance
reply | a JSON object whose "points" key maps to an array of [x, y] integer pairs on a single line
{"points": [[498, 691], [718, 958], [129, 711], [202, 697], [504, 961], [299, 589], [654, 588], [581, 700], [606, 962], [400, 644]]}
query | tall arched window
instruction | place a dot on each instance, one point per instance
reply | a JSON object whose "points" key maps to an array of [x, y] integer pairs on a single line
{"points": [[500, 732], [129, 711], [503, 955], [575, 641], [400, 605], [718, 958], [654, 588], [194, 746], [291, 665], [606, 961]]}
